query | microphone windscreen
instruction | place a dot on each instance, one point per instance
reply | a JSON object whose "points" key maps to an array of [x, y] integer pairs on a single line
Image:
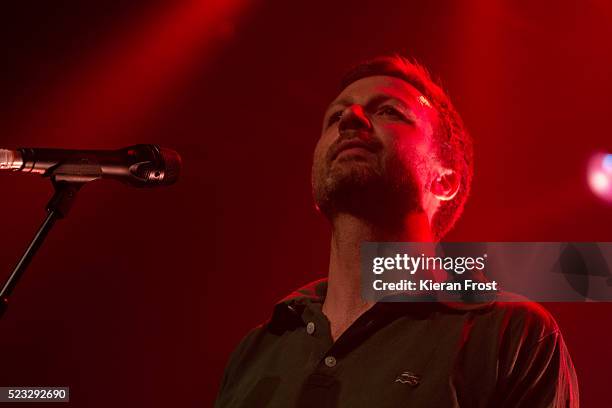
{"points": [[172, 166]]}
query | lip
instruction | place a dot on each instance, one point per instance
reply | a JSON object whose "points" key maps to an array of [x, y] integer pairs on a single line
{"points": [[352, 146], [351, 150]]}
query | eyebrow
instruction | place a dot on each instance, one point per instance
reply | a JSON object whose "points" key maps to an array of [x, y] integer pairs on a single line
{"points": [[376, 100]]}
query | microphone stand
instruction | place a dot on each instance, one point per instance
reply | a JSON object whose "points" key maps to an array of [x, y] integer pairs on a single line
{"points": [[57, 208]]}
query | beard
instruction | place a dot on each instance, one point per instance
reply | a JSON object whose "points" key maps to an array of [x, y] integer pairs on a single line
{"points": [[381, 193]]}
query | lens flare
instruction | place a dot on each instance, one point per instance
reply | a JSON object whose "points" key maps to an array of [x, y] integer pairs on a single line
{"points": [[600, 175]]}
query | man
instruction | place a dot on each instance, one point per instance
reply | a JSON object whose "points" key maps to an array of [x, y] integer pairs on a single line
{"points": [[394, 163]]}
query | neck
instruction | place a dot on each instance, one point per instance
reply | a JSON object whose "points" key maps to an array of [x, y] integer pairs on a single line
{"points": [[348, 232]]}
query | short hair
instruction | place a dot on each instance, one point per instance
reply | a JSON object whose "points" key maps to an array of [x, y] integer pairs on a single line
{"points": [[455, 148]]}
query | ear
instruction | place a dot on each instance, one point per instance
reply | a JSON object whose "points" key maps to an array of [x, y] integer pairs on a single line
{"points": [[446, 185]]}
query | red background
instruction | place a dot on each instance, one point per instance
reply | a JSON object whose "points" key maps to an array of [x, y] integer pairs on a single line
{"points": [[139, 296]]}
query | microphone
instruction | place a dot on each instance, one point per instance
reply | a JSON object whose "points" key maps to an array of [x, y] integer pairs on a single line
{"points": [[142, 165]]}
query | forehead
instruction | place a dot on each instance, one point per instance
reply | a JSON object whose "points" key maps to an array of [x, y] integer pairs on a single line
{"points": [[363, 89]]}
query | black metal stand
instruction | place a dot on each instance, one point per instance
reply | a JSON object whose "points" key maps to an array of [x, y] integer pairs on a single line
{"points": [[57, 208]]}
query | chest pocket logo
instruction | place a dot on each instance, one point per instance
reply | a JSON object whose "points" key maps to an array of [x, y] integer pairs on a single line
{"points": [[409, 378]]}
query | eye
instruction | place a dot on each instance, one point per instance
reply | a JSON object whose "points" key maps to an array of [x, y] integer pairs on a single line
{"points": [[391, 112], [334, 117]]}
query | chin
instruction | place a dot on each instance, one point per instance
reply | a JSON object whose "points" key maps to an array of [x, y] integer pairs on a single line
{"points": [[359, 173], [346, 189]]}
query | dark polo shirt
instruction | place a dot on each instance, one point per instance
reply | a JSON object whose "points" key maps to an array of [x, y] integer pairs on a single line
{"points": [[402, 355]]}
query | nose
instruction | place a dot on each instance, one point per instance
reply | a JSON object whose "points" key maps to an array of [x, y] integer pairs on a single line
{"points": [[354, 118]]}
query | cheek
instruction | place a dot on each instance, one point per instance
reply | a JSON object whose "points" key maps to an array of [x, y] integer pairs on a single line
{"points": [[414, 152], [320, 151], [322, 146], [409, 144]]}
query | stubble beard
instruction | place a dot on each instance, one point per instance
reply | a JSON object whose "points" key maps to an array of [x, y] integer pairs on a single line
{"points": [[379, 194]]}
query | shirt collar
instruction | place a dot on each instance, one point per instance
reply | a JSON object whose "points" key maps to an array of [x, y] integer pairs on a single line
{"points": [[312, 292], [287, 313]]}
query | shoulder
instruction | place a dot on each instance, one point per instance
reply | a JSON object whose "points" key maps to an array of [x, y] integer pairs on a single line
{"points": [[529, 320], [510, 314], [240, 359], [534, 367], [527, 339], [255, 339], [505, 328]]}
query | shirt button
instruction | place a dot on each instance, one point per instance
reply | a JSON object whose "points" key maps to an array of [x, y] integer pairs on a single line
{"points": [[330, 361], [310, 328]]}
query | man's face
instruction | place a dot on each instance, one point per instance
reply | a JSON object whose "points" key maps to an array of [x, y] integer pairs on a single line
{"points": [[376, 152]]}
